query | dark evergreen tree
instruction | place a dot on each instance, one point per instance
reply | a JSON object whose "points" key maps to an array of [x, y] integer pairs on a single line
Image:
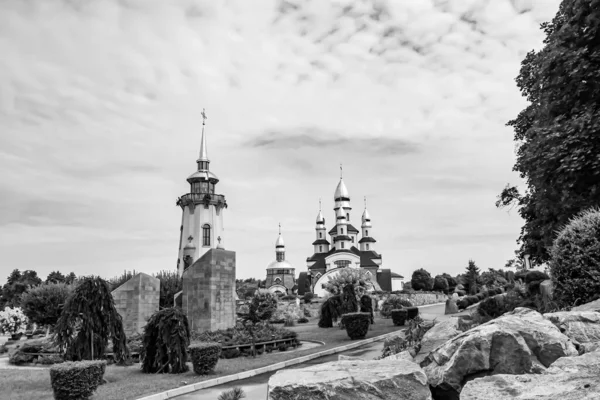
{"points": [[471, 277], [17, 283], [55, 277]]}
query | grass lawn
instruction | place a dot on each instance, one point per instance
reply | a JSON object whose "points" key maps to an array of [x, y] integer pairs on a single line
{"points": [[131, 383]]}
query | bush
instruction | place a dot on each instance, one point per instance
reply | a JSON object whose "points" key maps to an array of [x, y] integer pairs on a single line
{"points": [[238, 335], [205, 356], [399, 317], [13, 321], [461, 293], [166, 339], [43, 304], [421, 280], [76, 380], [357, 324], [440, 284], [234, 394], [480, 296], [282, 347], [302, 320], [230, 353], [308, 297], [412, 312], [289, 321], [491, 307], [393, 303], [462, 304], [575, 260]]}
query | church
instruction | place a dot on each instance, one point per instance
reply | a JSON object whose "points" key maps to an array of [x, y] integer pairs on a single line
{"points": [[281, 278], [344, 249]]}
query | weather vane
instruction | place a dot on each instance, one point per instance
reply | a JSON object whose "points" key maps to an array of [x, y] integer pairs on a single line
{"points": [[204, 117], [365, 201], [280, 228], [341, 172], [319, 204]]}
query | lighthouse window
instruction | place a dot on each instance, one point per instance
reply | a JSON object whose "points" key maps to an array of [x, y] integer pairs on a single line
{"points": [[206, 235]]}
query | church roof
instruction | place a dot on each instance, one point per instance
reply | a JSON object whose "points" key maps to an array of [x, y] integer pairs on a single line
{"points": [[367, 239], [341, 192], [384, 278], [351, 229], [341, 237], [395, 275], [280, 264], [321, 241], [366, 257]]}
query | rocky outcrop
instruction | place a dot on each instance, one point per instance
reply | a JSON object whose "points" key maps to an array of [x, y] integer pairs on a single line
{"points": [[519, 342], [582, 327], [360, 380], [436, 336], [569, 378], [591, 306], [403, 355]]}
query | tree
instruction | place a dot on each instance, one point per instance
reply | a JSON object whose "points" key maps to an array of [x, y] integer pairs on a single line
{"points": [[421, 280], [43, 304], [89, 318], [557, 133], [471, 277], [359, 278], [452, 282], [440, 284], [17, 283], [170, 284], [261, 308], [55, 277], [71, 278]]}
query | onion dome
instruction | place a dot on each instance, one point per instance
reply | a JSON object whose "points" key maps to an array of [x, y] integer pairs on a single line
{"points": [[320, 219], [279, 244], [341, 192]]}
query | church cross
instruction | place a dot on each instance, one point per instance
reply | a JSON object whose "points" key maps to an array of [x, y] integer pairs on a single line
{"points": [[191, 238], [204, 117]]}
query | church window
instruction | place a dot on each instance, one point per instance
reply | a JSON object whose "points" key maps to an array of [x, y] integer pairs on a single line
{"points": [[278, 280], [347, 216], [206, 235], [342, 230], [320, 249], [342, 263], [367, 246], [366, 233], [342, 245], [352, 239], [320, 235]]}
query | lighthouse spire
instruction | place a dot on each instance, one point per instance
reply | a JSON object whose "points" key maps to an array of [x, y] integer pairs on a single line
{"points": [[203, 152]]}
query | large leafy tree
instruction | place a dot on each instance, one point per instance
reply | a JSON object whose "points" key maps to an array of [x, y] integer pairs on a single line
{"points": [[43, 304], [88, 320], [421, 280], [557, 135], [16, 284]]}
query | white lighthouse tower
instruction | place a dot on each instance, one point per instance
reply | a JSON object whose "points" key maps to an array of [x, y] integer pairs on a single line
{"points": [[202, 219]]}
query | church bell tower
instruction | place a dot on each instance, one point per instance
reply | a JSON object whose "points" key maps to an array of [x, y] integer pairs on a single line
{"points": [[202, 220]]}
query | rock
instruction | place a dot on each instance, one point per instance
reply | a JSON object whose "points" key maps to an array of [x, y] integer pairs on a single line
{"points": [[518, 342], [403, 355], [451, 307], [361, 380], [591, 306], [436, 336], [568, 378], [582, 327], [455, 296]]}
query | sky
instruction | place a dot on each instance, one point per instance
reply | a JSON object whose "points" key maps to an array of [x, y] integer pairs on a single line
{"points": [[100, 125]]}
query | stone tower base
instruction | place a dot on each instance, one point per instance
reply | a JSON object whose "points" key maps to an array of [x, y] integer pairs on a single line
{"points": [[136, 300]]}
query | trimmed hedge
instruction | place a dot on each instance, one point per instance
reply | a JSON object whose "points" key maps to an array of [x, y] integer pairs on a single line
{"points": [[302, 320], [393, 303], [76, 380], [357, 324], [399, 316], [412, 312], [205, 356]]}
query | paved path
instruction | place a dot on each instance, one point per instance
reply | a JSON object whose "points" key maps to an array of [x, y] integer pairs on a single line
{"points": [[256, 386]]}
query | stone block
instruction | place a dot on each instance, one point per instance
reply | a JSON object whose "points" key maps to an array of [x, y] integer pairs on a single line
{"points": [[208, 291], [136, 300]]}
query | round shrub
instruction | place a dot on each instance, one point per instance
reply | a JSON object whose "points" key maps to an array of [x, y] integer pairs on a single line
{"points": [[472, 299], [440, 284], [205, 356], [166, 339], [462, 304], [302, 320], [421, 280], [393, 303], [76, 380], [357, 324], [575, 260], [399, 317], [461, 293]]}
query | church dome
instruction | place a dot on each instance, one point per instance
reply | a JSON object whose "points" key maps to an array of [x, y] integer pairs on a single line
{"points": [[341, 191], [279, 243], [366, 217], [203, 175], [320, 218], [280, 265]]}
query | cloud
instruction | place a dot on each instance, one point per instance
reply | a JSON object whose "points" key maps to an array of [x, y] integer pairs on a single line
{"points": [[100, 113]]}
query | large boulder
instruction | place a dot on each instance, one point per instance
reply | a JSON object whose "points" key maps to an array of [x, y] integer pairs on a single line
{"points": [[582, 327], [403, 355], [451, 307], [436, 336], [360, 380], [569, 378], [519, 342]]}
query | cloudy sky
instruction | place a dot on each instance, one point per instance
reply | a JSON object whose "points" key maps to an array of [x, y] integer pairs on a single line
{"points": [[100, 125]]}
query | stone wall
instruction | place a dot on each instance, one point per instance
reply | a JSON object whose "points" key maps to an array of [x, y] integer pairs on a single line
{"points": [[136, 300], [208, 291]]}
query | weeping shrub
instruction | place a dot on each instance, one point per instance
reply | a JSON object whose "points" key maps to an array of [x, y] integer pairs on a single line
{"points": [[357, 324], [205, 356], [575, 260], [166, 339], [89, 318], [76, 380]]}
